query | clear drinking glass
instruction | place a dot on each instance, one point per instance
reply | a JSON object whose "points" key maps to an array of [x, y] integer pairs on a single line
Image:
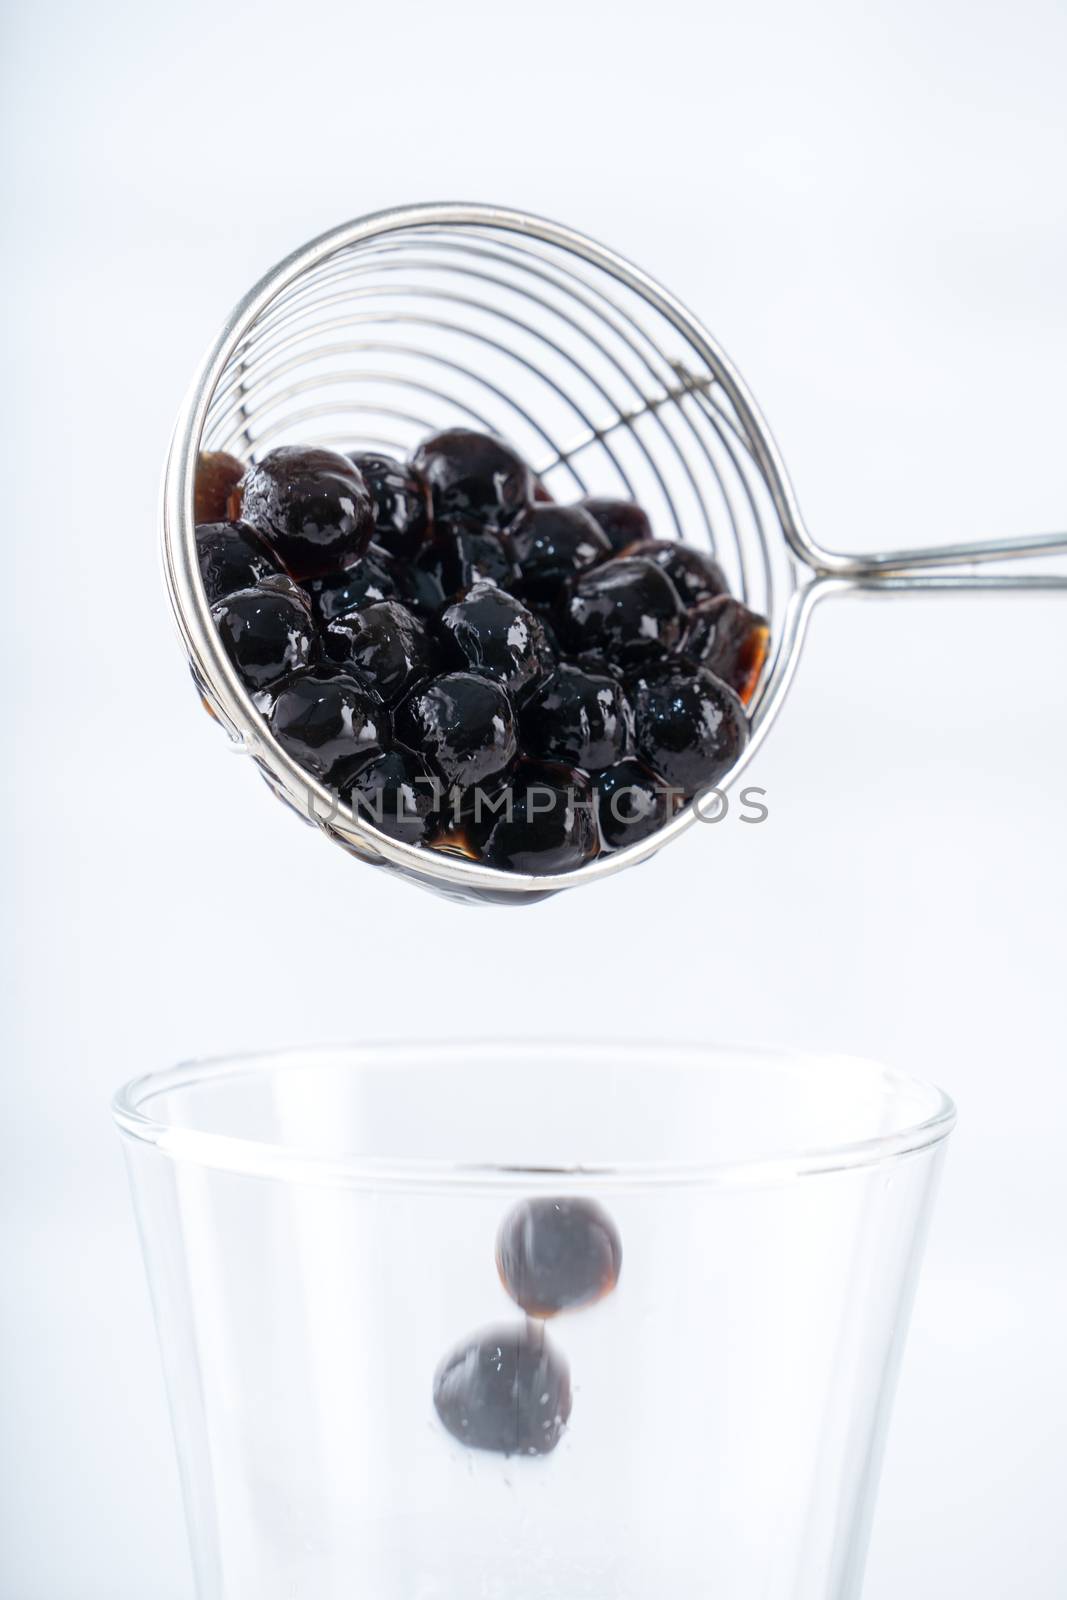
{"points": [[320, 1226]]}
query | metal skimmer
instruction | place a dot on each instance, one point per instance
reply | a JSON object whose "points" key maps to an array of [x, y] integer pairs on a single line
{"points": [[392, 326]]}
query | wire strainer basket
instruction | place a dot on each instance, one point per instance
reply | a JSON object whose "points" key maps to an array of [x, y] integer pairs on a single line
{"points": [[398, 324]]}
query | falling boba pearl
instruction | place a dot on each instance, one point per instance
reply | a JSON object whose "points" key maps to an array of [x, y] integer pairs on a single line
{"points": [[558, 1255], [505, 1389]]}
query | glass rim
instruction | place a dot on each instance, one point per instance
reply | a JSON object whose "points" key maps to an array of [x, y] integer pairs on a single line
{"points": [[260, 1158]]}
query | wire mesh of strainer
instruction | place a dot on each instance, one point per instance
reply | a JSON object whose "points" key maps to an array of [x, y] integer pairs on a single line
{"points": [[398, 324]]}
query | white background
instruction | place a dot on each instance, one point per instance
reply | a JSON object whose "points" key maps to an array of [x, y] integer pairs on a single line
{"points": [[868, 210]]}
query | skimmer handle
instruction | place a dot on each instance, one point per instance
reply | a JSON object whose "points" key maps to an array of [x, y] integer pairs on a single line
{"points": [[926, 568]]}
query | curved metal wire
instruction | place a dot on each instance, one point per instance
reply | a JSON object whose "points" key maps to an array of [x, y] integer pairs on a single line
{"points": [[290, 338], [404, 322], [512, 330]]}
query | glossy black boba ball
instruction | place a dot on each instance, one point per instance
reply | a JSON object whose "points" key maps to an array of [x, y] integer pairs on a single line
{"points": [[505, 1389], [691, 727], [558, 1254], [329, 722], [553, 543], [626, 610], [397, 793], [268, 630], [216, 490], [371, 579], [462, 725], [544, 822], [580, 718], [632, 802], [602, 665], [231, 557], [621, 522], [401, 500], [491, 633], [729, 640], [383, 645], [696, 576], [311, 507], [474, 475], [420, 588], [462, 553], [544, 617]]}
